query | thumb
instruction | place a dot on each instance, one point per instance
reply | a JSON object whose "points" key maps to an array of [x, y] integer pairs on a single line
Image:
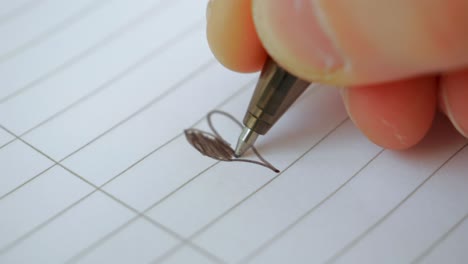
{"points": [[363, 41]]}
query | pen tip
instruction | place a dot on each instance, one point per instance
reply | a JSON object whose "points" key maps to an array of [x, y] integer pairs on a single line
{"points": [[246, 140], [241, 148]]}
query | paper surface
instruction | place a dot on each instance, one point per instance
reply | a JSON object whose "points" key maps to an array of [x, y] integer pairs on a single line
{"points": [[94, 166]]}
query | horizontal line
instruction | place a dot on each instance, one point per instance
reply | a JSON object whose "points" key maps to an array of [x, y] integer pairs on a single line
{"points": [[190, 244], [26, 182], [355, 241], [436, 243], [89, 51], [67, 22], [96, 188], [76, 103], [9, 141], [24, 236], [42, 225], [115, 232], [107, 84], [171, 89], [227, 212], [103, 239], [147, 106], [256, 252], [237, 93], [19, 11], [147, 58]]}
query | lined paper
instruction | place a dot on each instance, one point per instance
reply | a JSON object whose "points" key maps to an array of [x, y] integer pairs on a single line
{"points": [[12, 9], [5, 137], [94, 166]]}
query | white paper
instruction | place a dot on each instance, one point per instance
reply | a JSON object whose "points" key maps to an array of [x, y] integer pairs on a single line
{"points": [[99, 94]]}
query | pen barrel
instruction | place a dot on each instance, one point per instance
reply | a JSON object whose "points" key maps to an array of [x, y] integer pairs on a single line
{"points": [[275, 92]]}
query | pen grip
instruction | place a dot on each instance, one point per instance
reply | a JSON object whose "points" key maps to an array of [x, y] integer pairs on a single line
{"points": [[275, 92]]}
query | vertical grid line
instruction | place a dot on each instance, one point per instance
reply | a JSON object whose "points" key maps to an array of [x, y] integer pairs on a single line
{"points": [[288, 228], [228, 211], [58, 163], [96, 188], [145, 59], [145, 107], [9, 141], [156, 99], [29, 233], [115, 232]]}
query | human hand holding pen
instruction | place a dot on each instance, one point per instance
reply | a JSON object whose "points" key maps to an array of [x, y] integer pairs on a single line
{"points": [[400, 60]]}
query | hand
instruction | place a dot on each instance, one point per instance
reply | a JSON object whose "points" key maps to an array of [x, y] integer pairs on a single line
{"points": [[401, 59]]}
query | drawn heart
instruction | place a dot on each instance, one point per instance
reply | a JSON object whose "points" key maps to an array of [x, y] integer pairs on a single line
{"points": [[214, 146]]}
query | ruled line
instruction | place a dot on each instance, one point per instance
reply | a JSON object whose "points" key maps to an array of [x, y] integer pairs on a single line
{"points": [[116, 231], [158, 7], [20, 11], [63, 25], [187, 242], [284, 231], [108, 84], [40, 226], [156, 203], [371, 228], [228, 211], [96, 188], [147, 58], [7, 143], [26, 182], [441, 239], [143, 108]]}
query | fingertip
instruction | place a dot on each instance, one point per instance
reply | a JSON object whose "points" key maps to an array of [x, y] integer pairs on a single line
{"points": [[232, 37], [294, 35], [346, 42], [393, 115], [453, 98]]}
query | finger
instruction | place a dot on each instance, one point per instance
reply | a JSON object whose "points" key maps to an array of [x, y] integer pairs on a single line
{"points": [[453, 98], [393, 115], [363, 41], [232, 37]]}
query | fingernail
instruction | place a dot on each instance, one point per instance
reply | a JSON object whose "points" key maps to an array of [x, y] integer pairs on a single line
{"points": [[345, 96], [208, 9], [296, 34], [447, 108]]}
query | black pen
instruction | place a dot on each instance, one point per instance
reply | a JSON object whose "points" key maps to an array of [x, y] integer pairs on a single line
{"points": [[275, 92]]}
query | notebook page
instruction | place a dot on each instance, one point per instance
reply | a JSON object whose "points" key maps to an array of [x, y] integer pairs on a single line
{"points": [[5, 137], [12, 9], [95, 168]]}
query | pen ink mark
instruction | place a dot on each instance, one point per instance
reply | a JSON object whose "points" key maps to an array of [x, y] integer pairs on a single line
{"points": [[214, 146]]}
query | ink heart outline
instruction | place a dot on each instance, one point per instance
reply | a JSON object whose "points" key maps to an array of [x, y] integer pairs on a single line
{"points": [[213, 145]]}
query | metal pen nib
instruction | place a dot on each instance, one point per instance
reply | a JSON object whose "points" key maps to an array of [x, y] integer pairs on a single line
{"points": [[246, 140], [275, 92]]}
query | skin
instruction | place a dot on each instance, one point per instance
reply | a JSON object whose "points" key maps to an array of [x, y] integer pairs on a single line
{"points": [[398, 70]]}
